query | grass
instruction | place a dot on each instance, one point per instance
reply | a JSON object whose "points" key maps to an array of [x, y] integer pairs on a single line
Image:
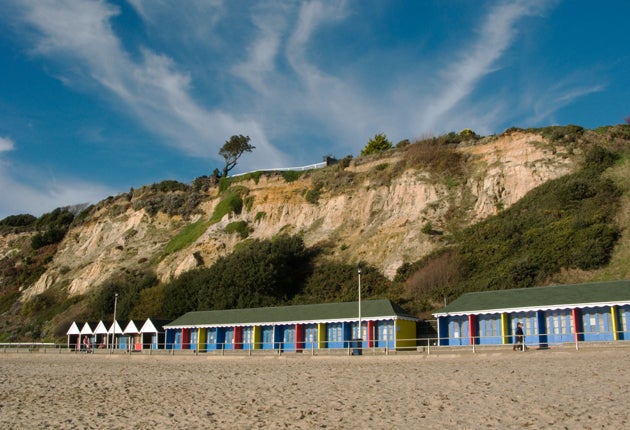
{"points": [[188, 235], [232, 202]]}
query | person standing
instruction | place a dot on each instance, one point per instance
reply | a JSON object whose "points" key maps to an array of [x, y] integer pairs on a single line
{"points": [[519, 338]]}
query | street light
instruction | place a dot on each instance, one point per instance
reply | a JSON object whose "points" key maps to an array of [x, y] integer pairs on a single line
{"points": [[360, 331], [114, 325]]}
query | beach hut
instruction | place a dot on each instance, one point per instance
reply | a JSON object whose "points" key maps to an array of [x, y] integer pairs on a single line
{"points": [[596, 311], [100, 335], [116, 336], [133, 338], [74, 336], [294, 328], [152, 333], [86, 336]]}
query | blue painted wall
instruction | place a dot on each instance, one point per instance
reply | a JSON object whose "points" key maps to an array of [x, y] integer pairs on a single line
{"points": [[597, 324], [489, 329]]}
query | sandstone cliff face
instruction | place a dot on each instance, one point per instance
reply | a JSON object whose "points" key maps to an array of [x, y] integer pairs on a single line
{"points": [[373, 221]]}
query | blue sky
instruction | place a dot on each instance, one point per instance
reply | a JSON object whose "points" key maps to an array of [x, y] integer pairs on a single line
{"points": [[97, 97]]}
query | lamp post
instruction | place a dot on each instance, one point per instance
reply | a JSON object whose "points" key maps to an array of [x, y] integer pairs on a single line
{"points": [[114, 325], [360, 331]]}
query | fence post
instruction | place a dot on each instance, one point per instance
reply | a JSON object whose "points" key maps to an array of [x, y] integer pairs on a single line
{"points": [[577, 348]]}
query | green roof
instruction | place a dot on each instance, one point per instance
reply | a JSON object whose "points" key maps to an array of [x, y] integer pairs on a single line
{"points": [[370, 309], [538, 298]]}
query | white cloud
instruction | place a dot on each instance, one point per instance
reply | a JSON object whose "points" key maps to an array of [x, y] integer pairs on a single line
{"points": [[152, 86], [6, 144], [21, 198], [25, 190], [289, 95], [476, 60], [557, 96]]}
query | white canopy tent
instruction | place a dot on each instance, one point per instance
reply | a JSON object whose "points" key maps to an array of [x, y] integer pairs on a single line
{"points": [[115, 332], [74, 331], [100, 335], [133, 339]]}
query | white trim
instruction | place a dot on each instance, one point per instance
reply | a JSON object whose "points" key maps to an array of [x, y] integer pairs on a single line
{"points": [[532, 309], [276, 323], [86, 329], [119, 331], [100, 328], [149, 327], [131, 328], [73, 330]]}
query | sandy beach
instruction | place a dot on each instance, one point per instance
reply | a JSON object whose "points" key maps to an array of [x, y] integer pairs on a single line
{"points": [[556, 388]]}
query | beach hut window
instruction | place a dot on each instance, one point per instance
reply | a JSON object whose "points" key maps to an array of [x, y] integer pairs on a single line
{"points": [[248, 335], [193, 339], [386, 331], [229, 336], [595, 322], [355, 331], [560, 323], [335, 332], [267, 335]]}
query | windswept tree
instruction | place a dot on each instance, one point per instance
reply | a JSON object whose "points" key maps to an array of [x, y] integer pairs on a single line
{"points": [[233, 149]]}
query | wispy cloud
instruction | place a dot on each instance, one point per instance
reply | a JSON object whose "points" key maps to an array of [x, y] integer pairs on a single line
{"points": [[476, 60], [26, 190], [543, 106], [197, 74], [152, 86]]}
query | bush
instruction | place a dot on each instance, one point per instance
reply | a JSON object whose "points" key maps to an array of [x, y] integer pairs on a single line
{"points": [[49, 237], [239, 227], [169, 186], [259, 273], [231, 203], [17, 222], [291, 175], [128, 287], [379, 143], [437, 158]]}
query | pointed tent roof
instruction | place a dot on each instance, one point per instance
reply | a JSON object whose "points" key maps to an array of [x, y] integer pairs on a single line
{"points": [[304, 314], [131, 327], [74, 329], [100, 328], [153, 326], [593, 294], [86, 329], [118, 329]]}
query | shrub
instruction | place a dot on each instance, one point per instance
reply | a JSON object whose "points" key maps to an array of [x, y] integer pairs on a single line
{"points": [[291, 175], [379, 143], [232, 202], [169, 186], [312, 195], [224, 184], [239, 227], [436, 158], [17, 222]]}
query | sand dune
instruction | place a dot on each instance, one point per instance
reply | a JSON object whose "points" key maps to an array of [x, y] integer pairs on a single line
{"points": [[557, 388]]}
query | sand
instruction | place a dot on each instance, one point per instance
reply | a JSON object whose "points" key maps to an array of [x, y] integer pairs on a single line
{"points": [[556, 388]]}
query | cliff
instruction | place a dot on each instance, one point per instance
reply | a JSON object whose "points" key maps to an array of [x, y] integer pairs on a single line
{"points": [[376, 209]]}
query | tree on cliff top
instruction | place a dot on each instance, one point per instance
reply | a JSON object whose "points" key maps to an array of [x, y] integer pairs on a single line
{"points": [[233, 149], [379, 143]]}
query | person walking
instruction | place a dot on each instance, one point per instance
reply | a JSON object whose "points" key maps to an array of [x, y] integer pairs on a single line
{"points": [[519, 338]]}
